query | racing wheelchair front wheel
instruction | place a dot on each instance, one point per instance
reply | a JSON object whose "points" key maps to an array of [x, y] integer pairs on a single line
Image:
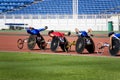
{"points": [[100, 48], [115, 47], [20, 43], [54, 44], [80, 45], [31, 42]]}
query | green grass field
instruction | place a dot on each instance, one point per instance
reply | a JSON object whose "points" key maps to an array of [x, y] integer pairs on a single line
{"points": [[34, 66]]}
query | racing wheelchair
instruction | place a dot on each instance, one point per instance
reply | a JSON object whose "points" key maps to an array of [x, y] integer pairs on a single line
{"points": [[32, 41], [113, 50], [59, 42], [85, 42], [115, 46]]}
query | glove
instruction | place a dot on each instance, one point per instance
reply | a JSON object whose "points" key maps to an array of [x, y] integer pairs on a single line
{"points": [[69, 33], [46, 27], [76, 32]]}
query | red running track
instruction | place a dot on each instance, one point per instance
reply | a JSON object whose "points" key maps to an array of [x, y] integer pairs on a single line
{"points": [[9, 43]]}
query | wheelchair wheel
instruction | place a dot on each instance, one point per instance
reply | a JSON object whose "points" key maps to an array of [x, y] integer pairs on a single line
{"points": [[20, 43], [31, 42], [115, 47], [80, 45], [40, 42], [54, 44], [100, 48], [90, 47], [64, 45]]}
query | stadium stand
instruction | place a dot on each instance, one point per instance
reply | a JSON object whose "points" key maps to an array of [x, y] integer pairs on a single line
{"points": [[11, 5], [98, 6], [63, 7], [47, 7]]}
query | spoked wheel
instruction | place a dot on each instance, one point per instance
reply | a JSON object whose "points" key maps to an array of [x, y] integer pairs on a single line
{"points": [[115, 47], [41, 42], [80, 45], [90, 46], [54, 44], [20, 43], [100, 48], [31, 42]]}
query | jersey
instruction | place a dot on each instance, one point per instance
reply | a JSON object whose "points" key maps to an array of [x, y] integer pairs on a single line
{"points": [[58, 34], [83, 33], [35, 31], [117, 36]]}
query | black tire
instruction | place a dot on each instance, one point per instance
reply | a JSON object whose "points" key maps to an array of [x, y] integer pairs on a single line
{"points": [[20, 43], [115, 47], [54, 44], [90, 46], [40, 42], [80, 45], [31, 42], [64, 45]]}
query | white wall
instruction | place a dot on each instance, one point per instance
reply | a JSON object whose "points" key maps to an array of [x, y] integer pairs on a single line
{"points": [[65, 24]]}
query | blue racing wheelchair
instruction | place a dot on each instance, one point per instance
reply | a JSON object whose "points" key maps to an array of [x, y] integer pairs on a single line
{"points": [[84, 42], [32, 41]]}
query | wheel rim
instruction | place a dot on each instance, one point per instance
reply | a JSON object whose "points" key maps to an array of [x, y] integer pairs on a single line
{"points": [[54, 44], [80, 45], [31, 42]]}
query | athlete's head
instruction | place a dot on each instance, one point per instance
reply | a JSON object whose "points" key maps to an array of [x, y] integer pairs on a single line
{"points": [[31, 27], [51, 31], [89, 30], [76, 30], [110, 33]]}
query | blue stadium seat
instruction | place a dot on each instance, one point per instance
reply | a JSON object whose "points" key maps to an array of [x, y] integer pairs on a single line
{"points": [[65, 7], [47, 7], [13, 4], [97, 6]]}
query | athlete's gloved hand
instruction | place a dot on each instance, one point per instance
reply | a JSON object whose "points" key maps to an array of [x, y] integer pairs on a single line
{"points": [[46, 27], [69, 33]]}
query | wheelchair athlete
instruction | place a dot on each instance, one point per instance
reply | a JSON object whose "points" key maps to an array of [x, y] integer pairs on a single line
{"points": [[58, 39], [84, 41], [61, 35], [114, 43], [36, 37], [113, 36]]}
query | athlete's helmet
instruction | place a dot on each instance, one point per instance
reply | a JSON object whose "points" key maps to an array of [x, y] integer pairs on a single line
{"points": [[110, 33], [50, 32]]}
